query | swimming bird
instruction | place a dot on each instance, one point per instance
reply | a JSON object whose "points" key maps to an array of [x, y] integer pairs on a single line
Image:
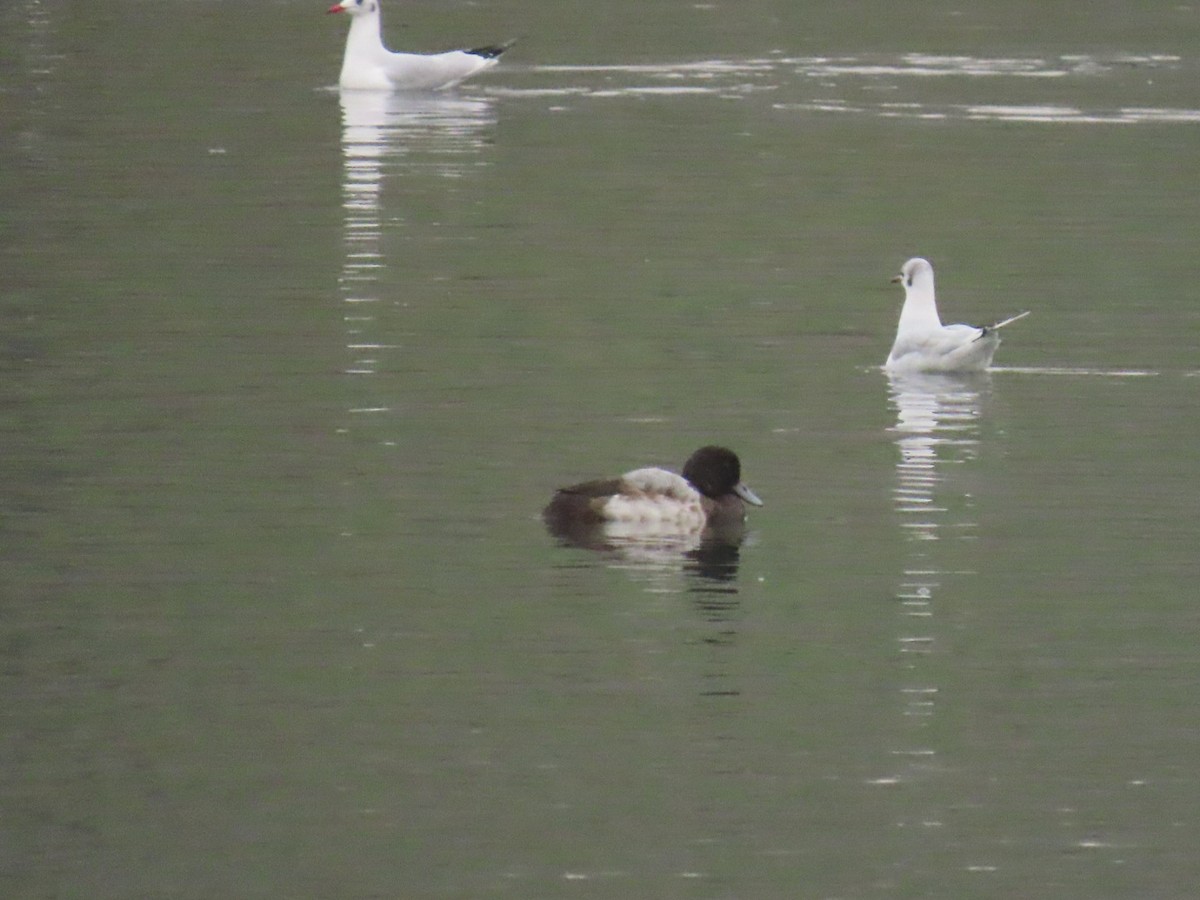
{"points": [[369, 65], [924, 344], [654, 501]]}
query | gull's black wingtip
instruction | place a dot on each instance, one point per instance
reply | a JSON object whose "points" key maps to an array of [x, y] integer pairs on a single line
{"points": [[492, 51]]}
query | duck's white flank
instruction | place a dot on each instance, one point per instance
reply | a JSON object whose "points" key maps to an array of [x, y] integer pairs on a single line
{"points": [[656, 497]]}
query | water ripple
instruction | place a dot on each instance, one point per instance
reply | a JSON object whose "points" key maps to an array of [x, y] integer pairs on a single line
{"points": [[1002, 112], [844, 78]]}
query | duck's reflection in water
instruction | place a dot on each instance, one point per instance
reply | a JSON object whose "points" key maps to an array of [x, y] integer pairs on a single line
{"points": [[680, 651], [669, 562]]}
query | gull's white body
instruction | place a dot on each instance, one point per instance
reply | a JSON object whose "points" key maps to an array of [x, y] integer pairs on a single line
{"points": [[369, 65], [924, 344]]}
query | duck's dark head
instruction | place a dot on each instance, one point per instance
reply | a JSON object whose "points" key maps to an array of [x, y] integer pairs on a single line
{"points": [[717, 472]]}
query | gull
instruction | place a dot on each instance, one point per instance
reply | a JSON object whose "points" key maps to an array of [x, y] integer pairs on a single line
{"points": [[369, 65], [924, 344]]}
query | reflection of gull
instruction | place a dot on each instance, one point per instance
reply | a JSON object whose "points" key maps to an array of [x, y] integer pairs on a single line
{"points": [[936, 428], [378, 126], [385, 135]]}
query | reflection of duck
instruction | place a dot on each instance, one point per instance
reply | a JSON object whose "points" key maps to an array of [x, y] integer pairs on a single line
{"points": [[717, 560], [704, 562], [924, 344], [655, 503], [369, 65]]}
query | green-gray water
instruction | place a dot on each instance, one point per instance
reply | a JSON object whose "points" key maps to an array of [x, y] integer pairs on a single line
{"points": [[286, 376]]}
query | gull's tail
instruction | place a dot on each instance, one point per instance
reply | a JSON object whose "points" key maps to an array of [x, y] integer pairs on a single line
{"points": [[988, 329], [492, 51]]}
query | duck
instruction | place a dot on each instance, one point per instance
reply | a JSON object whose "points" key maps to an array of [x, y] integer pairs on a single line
{"points": [[924, 344], [369, 65], [709, 494]]}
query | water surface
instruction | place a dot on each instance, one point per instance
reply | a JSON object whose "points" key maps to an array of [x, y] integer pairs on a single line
{"points": [[288, 375]]}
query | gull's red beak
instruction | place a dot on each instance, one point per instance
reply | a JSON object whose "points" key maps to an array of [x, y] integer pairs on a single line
{"points": [[337, 7]]}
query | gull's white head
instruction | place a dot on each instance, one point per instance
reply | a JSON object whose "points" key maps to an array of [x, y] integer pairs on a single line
{"points": [[919, 313], [355, 7], [916, 275]]}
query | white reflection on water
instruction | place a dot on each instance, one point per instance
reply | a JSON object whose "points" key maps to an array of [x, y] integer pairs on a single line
{"points": [[1003, 113], [1075, 370], [37, 64], [832, 75], [936, 433], [906, 65], [385, 136]]}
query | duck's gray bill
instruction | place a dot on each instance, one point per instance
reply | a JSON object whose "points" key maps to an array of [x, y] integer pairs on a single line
{"points": [[748, 495]]}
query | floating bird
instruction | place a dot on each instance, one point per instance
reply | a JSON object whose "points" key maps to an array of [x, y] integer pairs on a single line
{"points": [[924, 344], [369, 65], [653, 501]]}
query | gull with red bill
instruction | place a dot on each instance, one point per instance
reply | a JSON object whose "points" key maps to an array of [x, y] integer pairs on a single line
{"points": [[369, 65]]}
